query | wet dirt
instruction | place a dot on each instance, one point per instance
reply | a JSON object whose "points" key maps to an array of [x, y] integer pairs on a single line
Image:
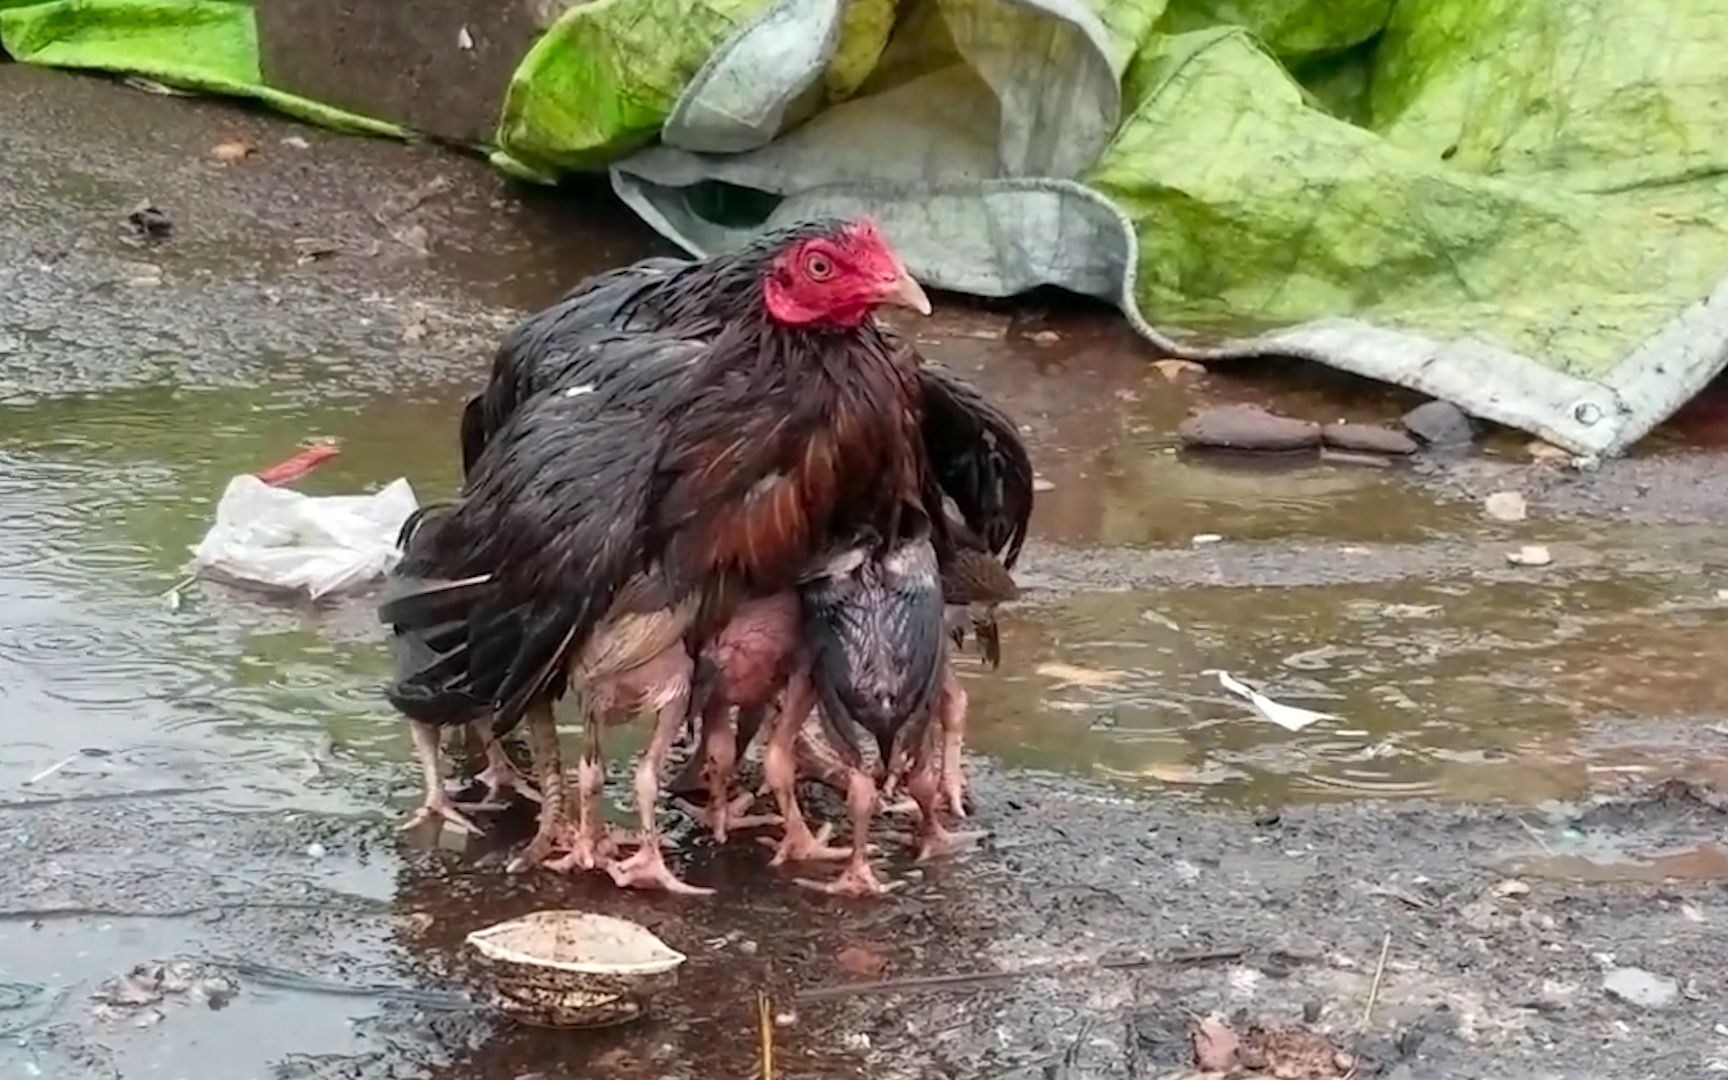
{"points": [[231, 778]]}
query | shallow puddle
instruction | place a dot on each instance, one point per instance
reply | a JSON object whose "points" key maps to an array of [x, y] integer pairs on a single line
{"points": [[126, 407]]}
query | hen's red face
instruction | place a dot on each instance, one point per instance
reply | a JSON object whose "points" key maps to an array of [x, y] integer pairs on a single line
{"points": [[823, 281]]}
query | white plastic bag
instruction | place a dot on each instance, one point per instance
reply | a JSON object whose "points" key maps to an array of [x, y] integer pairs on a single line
{"points": [[281, 539]]}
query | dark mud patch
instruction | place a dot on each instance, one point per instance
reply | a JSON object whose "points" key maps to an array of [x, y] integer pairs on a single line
{"points": [[1083, 940]]}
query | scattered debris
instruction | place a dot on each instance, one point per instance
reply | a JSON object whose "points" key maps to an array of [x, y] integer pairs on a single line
{"points": [[1530, 555], [1247, 427], [1045, 338], [419, 328], [311, 249], [1511, 887], [313, 453], [1440, 423], [406, 202], [1368, 438], [1288, 717], [288, 542], [228, 153], [1286, 1051], [1039, 483], [151, 222], [1506, 506], [148, 984], [1202, 539], [413, 237], [1175, 370], [1215, 1045], [860, 961], [296, 142], [1071, 675], [1635, 986], [464, 40], [151, 86]]}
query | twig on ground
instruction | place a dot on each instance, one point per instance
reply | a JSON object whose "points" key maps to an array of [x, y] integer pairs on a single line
{"points": [[765, 1022], [1379, 973], [1536, 836]]}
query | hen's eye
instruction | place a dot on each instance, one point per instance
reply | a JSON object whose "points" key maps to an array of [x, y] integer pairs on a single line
{"points": [[818, 268]]}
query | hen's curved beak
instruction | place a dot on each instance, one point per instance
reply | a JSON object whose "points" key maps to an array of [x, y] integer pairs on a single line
{"points": [[907, 293]]}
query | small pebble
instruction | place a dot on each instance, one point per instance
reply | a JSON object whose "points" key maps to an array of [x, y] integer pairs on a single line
{"points": [[1207, 538], [1440, 423], [315, 850], [1635, 986], [1506, 506], [1530, 555]]}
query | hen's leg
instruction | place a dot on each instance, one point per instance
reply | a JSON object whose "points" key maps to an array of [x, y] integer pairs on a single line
{"points": [[436, 803], [549, 766], [951, 707], [647, 869], [858, 879], [780, 773], [500, 774]]}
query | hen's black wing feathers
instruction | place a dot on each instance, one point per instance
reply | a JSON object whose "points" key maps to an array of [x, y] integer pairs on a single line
{"points": [[546, 533], [979, 460]]}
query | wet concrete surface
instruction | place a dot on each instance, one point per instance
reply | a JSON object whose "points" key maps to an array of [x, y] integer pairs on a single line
{"points": [[1156, 853]]}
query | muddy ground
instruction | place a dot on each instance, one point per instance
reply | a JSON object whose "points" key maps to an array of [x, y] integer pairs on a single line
{"points": [[1520, 801]]}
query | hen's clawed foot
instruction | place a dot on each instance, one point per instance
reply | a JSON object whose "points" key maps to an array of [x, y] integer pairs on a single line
{"points": [[800, 845], [937, 842], [857, 880], [587, 850], [736, 816], [647, 869], [440, 805], [954, 792], [502, 777]]}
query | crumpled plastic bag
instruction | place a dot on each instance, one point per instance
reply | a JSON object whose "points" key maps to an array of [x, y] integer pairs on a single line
{"points": [[283, 540]]}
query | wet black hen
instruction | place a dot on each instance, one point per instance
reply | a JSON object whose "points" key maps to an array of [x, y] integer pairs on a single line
{"points": [[620, 509]]}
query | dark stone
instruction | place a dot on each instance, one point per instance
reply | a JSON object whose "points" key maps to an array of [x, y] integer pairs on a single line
{"points": [[1247, 427], [1440, 423], [1368, 439], [404, 62], [1268, 818]]}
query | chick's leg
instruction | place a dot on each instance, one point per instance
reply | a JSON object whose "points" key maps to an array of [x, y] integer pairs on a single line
{"points": [[951, 705], [928, 774], [647, 869], [549, 766], [436, 802], [780, 773], [857, 879], [722, 739], [589, 846]]}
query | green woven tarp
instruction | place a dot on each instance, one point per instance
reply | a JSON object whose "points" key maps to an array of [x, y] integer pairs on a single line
{"points": [[208, 45], [1519, 205]]}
